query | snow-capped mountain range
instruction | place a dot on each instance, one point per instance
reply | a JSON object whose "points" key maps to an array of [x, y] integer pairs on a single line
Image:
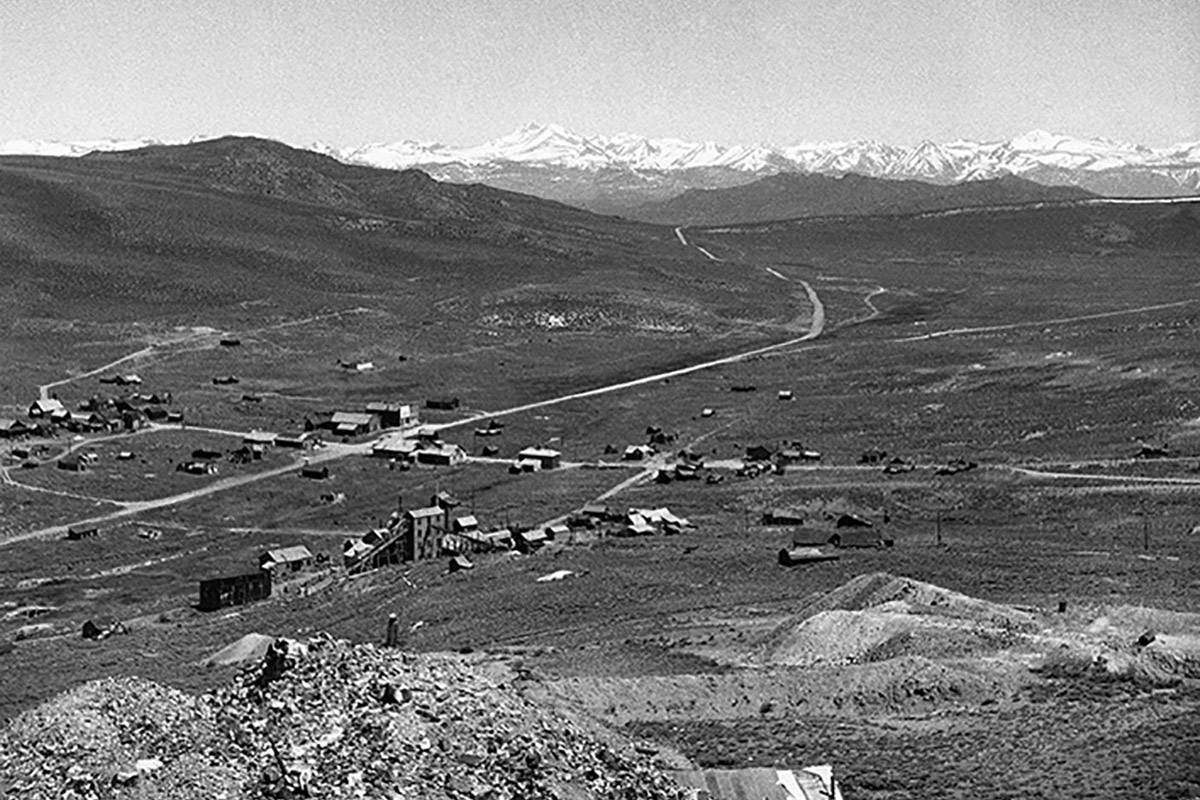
{"points": [[611, 172]]}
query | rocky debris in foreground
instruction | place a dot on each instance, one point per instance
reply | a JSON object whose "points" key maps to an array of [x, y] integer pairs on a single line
{"points": [[327, 719]]}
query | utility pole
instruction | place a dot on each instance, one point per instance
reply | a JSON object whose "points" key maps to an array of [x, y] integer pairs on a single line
{"points": [[939, 528], [1145, 531]]}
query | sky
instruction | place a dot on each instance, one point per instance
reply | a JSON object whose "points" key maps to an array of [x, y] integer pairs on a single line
{"points": [[348, 72]]}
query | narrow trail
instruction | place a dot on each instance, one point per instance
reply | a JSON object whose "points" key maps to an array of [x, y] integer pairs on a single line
{"points": [[1045, 322]]}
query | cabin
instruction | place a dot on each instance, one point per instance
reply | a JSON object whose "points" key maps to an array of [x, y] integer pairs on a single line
{"points": [[637, 452], [12, 428], [595, 511], [301, 441], [350, 423], [77, 532], [556, 530], [234, 590], [444, 455], [155, 413], [205, 454], [72, 463], [312, 473], [546, 458], [849, 520], [47, 407], [392, 415], [260, 438], [286, 559], [442, 403]]}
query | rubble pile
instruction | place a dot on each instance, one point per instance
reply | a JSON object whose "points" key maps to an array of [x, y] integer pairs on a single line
{"points": [[325, 719]]}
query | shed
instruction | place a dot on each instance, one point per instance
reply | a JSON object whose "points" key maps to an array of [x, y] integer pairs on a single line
{"points": [[529, 541], [205, 454], [293, 559], [467, 524], [234, 590], [315, 473], [442, 403], [225, 380], [805, 555], [72, 463], [556, 530], [547, 458], [77, 532], [849, 520], [637, 452], [230, 341], [785, 394], [597, 510], [174, 416]]}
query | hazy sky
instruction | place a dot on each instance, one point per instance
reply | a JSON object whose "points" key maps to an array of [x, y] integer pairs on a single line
{"points": [[461, 71]]}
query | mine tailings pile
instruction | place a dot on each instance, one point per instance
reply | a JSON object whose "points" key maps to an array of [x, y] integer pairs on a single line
{"points": [[322, 719]]}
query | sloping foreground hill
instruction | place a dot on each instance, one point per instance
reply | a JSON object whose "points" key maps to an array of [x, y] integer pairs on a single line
{"points": [[327, 720], [788, 196]]}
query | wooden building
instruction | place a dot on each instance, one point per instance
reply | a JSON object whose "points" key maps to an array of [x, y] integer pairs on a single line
{"points": [[234, 590]]}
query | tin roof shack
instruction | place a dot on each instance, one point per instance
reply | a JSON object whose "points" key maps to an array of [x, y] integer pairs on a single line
{"points": [[442, 403], [349, 423], [547, 458], [77, 532], [46, 407], [234, 590], [393, 415], [286, 559]]}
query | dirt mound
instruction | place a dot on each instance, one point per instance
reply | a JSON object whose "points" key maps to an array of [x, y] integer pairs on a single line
{"points": [[251, 647], [323, 720], [879, 616], [876, 589], [906, 684]]}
